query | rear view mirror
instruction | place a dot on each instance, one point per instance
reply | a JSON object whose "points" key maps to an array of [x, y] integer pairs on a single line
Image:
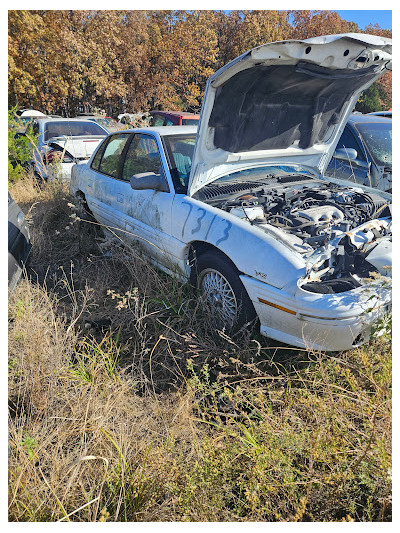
{"points": [[149, 180], [345, 154]]}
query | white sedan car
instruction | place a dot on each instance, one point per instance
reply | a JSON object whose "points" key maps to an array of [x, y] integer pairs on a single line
{"points": [[241, 206], [62, 143]]}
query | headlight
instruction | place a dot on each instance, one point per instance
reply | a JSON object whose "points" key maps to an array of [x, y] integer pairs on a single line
{"points": [[20, 219]]}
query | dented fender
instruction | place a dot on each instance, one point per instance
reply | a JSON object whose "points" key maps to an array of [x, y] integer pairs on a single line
{"points": [[253, 251]]}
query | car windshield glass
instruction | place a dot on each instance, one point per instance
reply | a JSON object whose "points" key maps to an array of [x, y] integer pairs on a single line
{"points": [[104, 121], [180, 149], [69, 128], [377, 136], [190, 121]]}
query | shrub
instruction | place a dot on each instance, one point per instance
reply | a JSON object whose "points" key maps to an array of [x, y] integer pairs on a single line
{"points": [[19, 148]]}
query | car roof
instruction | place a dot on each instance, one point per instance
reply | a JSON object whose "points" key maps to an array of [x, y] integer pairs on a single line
{"points": [[174, 113], [355, 118], [382, 113], [163, 130], [44, 121], [61, 119]]}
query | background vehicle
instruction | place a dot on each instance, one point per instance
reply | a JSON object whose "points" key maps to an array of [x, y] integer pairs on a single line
{"points": [[28, 113], [62, 143], [19, 245], [387, 114], [108, 123], [24, 117], [364, 152], [173, 118]]}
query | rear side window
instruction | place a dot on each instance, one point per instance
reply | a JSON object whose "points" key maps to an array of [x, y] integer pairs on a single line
{"points": [[111, 160], [98, 154], [71, 129]]}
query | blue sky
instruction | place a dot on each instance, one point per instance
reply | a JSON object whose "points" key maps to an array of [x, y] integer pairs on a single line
{"points": [[365, 17]]}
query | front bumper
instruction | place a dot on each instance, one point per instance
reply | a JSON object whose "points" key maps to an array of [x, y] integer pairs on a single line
{"points": [[326, 322]]}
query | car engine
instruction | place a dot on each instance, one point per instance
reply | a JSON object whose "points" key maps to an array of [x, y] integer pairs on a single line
{"points": [[343, 233]]}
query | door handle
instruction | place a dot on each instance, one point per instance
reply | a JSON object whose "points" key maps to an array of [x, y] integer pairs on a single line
{"points": [[120, 198]]}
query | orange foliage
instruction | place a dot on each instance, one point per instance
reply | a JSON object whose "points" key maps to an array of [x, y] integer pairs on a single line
{"points": [[64, 61]]}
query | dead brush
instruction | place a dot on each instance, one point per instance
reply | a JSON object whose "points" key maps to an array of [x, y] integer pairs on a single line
{"points": [[81, 439], [151, 414], [48, 216]]}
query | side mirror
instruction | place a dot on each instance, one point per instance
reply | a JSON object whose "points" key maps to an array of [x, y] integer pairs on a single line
{"points": [[149, 180], [345, 154]]}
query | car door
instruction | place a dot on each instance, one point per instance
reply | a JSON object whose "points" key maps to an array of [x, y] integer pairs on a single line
{"points": [[148, 212], [105, 191]]}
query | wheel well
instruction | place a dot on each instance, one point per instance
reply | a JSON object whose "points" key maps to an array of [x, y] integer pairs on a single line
{"points": [[198, 248], [80, 194], [81, 200]]}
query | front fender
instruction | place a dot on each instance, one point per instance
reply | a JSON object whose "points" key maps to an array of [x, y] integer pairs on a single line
{"points": [[253, 251]]}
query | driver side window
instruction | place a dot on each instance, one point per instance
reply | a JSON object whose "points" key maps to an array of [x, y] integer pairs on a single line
{"points": [[347, 140], [142, 156]]}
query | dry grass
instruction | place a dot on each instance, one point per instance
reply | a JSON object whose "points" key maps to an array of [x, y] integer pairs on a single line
{"points": [[126, 405]]}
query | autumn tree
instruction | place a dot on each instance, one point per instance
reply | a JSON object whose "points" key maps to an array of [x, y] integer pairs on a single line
{"points": [[184, 54], [310, 23], [240, 31], [384, 83], [33, 78], [66, 61]]}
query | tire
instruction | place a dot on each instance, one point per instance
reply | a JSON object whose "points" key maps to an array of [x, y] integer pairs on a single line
{"points": [[83, 209], [224, 294]]}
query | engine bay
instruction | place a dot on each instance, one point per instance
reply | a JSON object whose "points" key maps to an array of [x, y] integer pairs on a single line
{"points": [[343, 233]]}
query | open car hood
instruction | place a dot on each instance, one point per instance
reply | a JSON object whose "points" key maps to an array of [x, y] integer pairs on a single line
{"points": [[284, 103]]}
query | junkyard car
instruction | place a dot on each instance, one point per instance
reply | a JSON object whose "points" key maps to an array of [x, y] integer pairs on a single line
{"points": [[243, 207], [107, 123], [173, 118], [387, 114], [19, 244], [62, 143], [364, 152], [24, 117]]}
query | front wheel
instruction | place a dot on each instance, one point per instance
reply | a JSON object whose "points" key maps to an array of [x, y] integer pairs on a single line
{"points": [[224, 294]]}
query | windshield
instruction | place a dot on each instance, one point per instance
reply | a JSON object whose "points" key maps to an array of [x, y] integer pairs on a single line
{"points": [[72, 129], [104, 121], [377, 136], [180, 150], [190, 121]]}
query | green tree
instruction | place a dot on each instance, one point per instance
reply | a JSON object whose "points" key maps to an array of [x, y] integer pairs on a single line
{"points": [[19, 148], [369, 101]]}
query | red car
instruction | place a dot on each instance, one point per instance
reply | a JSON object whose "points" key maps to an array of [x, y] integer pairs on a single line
{"points": [[173, 118]]}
